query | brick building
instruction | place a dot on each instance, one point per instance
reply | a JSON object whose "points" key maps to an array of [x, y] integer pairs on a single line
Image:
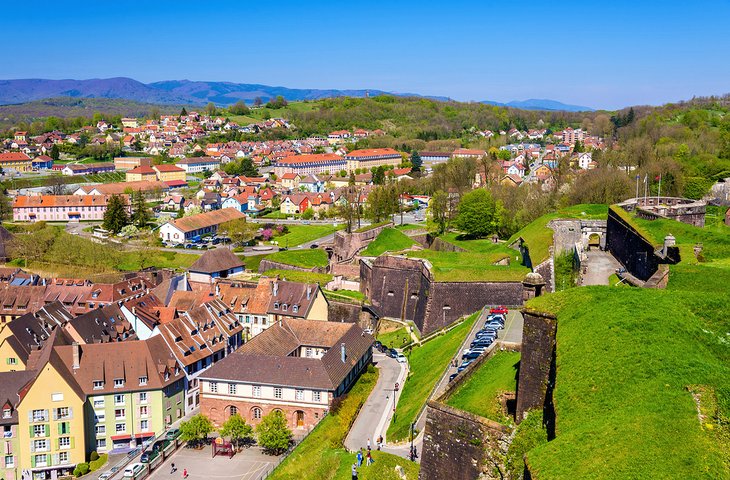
{"points": [[296, 366]]}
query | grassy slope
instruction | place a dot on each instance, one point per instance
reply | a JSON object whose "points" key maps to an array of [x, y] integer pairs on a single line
{"points": [[479, 394], [308, 258], [299, 234], [299, 276], [539, 237], [346, 295], [321, 456], [427, 363], [471, 267], [396, 338], [389, 240]]}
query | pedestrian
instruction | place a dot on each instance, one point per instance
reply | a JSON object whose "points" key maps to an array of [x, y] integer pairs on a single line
{"points": [[370, 459], [359, 458], [185, 473], [380, 442], [354, 472], [368, 444], [172, 468]]}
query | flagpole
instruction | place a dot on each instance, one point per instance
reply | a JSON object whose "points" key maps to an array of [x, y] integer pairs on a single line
{"points": [[659, 192], [637, 187]]}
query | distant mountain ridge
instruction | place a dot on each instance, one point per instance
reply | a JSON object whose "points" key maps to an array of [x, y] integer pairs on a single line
{"points": [[541, 104], [187, 92]]}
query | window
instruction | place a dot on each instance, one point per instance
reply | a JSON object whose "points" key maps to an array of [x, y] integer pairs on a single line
{"points": [[119, 413], [144, 425], [299, 394], [41, 460], [317, 396], [213, 387], [256, 413], [143, 380], [257, 390], [40, 445], [118, 399], [308, 352], [101, 444], [232, 388], [295, 308], [6, 413], [63, 457], [12, 361], [64, 442], [39, 430], [101, 429], [64, 428], [40, 415], [99, 402], [276, 305], [143, 397], [62, 413], [277, 392], [143, 412], [233, 410], [285, 307], [9, 461], [118, 382], [120, 427]]}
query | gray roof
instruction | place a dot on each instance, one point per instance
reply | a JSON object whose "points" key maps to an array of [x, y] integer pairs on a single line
{"points": [[217, 260]]}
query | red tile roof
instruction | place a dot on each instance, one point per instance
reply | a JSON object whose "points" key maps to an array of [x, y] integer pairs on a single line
{"points": [[372, 152], [316, 158]]}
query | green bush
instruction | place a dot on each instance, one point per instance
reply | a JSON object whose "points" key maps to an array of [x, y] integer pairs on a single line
{"points": [[81, 469], [101, 460], [94, 456]]}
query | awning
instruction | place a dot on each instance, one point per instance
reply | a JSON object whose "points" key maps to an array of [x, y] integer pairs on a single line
{"points": [[136, 435], [74, 214], [176, 183]]}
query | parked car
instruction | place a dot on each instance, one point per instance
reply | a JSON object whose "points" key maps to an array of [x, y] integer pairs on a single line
{"points": [[452, 376], [473, 355], [148, 456], [133, 469], [393, 353], [401, 358], [172, 434], [501, 309], [378, 345], [105, 476], [314, 245]]}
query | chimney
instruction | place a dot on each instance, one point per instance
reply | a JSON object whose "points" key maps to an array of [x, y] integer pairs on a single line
{"points": [[309, 292], [76, 355], [276, 288], [343, 354]]}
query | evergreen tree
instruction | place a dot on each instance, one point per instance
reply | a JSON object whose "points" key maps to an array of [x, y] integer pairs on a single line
{"points": [[416, 161], [183, 112], [55, 154], [115, 217], [141, 214], [273, 433]]}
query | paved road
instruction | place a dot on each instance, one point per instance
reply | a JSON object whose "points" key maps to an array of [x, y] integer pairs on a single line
{"points": [[599, 265], [249, 464], [375, 414]]}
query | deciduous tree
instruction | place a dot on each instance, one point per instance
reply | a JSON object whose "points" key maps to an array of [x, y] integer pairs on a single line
{"points": [[195, 430], [479, 214], [237, 430], [273, 434]]}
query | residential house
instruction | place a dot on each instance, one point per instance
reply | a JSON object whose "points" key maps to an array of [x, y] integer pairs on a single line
{"points": [[215, 264], [198, 164], [189, 228], [141, 173], [171, 174], [87, 168], [18, 161], [61, 208], [128, 163], [42, 162]]}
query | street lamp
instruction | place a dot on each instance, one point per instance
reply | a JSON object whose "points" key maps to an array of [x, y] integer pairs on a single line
{"points": [[412, 452]]}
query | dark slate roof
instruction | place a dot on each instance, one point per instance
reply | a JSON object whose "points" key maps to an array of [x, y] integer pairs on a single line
{"points": [[11, 384], [266, 358], [217, 260], [106, 324]]}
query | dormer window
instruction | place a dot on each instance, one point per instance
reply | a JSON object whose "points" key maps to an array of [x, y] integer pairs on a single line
{"points": [[98, 384], [284, 307], [7, 413], [118, 383], [143, 380], [295, 308]]}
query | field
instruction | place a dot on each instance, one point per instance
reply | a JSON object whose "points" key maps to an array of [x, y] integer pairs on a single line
{"points": [[300, 276], [322, 456], [427, 363], [395, 339], [309, 258], [471, 267], [252, 261], [42, 180], [479, 394], [259, 114], [299, 234], [389, 240]]}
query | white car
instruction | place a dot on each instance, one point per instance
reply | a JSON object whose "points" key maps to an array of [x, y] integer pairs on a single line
{"points": [[401, 358], [133, 469]]}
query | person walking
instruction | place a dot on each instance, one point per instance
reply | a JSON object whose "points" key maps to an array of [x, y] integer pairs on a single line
{"points": [[370, 459], [185, 473], [354, 472], [359, 458], [368, 444], [172, 468]]}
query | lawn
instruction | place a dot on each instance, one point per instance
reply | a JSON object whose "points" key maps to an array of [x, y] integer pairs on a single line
{"points": [[623, 393], [345, 295], [410, 226], [395, 338], [300, 276], [471, 267], [322, 456], [479, 245], [252, 261], [299, 234], [479, 394], [309, 258], [133, 261], [389, 240], [427, 363], [539, 238]]}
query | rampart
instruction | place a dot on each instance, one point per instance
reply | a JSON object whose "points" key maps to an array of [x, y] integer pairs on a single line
{"points": [[266, 265], [685, 210], [346, 245]]}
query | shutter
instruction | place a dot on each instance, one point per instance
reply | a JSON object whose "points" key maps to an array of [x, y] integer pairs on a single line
{"points": [[68, 428], [58, 443], [70, 413], [32, 446], [32, 461], [30, 430], [47, 430], [56, 459], [60, 428], [72, 442], [55, 414], [45, 415], [30, 419], [48, 458]]}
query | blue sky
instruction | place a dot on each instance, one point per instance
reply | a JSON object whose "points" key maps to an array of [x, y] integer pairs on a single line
{"points": [[600, 54]]}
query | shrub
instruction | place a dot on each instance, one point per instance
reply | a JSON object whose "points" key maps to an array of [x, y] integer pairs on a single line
{"points": [[94, 456], [81, 469]]}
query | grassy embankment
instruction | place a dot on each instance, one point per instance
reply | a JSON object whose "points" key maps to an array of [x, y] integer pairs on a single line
{"points": [[389, 240], [427, 363], [300, 276], [322, 456], [645, 392], [479, 394], [299, 234], [310, 258]]}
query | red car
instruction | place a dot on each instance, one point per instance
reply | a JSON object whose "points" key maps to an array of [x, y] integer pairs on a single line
{"points": [[499, 310]]}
